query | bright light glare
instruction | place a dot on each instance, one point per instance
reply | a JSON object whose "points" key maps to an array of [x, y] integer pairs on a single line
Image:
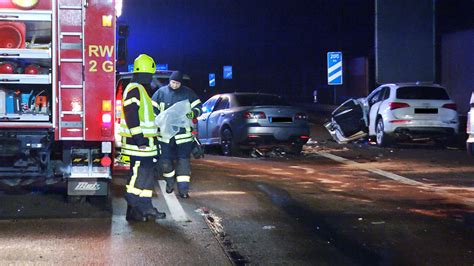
{"points": [[118, 7], [106, 118]]}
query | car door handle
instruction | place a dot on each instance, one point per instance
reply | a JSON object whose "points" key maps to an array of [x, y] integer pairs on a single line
{"points": [[222, 114], [204, 119]]}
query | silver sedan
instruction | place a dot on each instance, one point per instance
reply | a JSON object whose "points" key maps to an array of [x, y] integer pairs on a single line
{"points": [[242, 121]]}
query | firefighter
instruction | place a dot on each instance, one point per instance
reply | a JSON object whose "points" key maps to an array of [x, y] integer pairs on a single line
{"points": [[139, 132], [180, 146]]}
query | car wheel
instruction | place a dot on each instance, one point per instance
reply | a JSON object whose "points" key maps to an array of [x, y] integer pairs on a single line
{"points": [[470, 148], [381, 138], [228, 146], [296, 149]]}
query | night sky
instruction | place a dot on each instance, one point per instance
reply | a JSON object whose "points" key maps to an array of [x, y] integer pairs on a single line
{"points": [[273, 46]]}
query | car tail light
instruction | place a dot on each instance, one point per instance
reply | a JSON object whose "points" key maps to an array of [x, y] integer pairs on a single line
{"points": [[400, 121], [255, 115], [395, 105], [301, 116], [304, 137], [451, 106]]}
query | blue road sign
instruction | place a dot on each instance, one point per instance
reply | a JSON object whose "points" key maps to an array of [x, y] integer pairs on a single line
{"points": [[227, 72], [161, 66], [334, 68], [130, 68], [212, 80]]}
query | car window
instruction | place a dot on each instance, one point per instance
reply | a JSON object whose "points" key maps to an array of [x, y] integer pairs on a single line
{"points": [[208, 106], [386, 93], [422, 93], [374, 98], [259, 100], [222, 104]]}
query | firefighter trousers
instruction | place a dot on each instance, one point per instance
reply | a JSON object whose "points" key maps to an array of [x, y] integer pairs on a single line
{"points": [[141, 182], [180, 153]]}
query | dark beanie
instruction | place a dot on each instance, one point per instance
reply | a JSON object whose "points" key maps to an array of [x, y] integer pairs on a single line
{"points": [[176, 76]]}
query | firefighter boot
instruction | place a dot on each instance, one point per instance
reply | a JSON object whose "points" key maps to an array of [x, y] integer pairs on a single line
{"points": [[134, 215], [183, 188], [154, 214], [150, 212], [170, 184]]}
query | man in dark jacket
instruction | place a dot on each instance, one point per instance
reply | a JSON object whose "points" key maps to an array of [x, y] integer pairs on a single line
{"points": [[178, 147]]}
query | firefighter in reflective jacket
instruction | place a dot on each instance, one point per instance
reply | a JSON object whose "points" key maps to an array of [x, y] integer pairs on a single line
{"points": [[178, 147], [139, 132]]}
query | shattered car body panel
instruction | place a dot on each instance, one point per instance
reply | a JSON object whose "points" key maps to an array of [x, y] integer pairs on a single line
{"points": [[348, 121]]}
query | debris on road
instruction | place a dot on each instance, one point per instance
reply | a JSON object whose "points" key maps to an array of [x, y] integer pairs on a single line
{"points": [[268, 227], [379, 222]]}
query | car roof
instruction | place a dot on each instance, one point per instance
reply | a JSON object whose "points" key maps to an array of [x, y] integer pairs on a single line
{"points": [[414, 84], [248, 93]]}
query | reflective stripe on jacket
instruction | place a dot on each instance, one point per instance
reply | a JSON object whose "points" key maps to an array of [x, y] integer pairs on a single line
{"points": [[133, 150], [145, 113], [146, 125]]}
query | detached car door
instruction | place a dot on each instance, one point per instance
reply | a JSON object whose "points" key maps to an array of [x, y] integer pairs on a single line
{"points": [[348, 121]]}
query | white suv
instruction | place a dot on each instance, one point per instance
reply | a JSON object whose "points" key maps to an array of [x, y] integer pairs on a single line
{"points": [[403, 111], [470, 128]]}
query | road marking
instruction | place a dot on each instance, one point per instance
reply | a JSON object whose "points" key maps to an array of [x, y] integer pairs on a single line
{"points": [[176, 210], [393, 176], [440, 191], [218, 193]]}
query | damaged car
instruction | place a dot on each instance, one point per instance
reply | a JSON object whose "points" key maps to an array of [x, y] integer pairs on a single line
{"points": [[239, 122], [397, 112]]}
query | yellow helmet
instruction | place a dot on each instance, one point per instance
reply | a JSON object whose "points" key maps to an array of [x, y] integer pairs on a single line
{"points": [[144, 64]]}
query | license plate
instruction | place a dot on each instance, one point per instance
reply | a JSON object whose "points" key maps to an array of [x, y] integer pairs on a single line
{"points": [[281, 119], [426, 110]]}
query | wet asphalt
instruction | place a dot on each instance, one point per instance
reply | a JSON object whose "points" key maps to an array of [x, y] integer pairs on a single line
{"points": [[279, 209]]}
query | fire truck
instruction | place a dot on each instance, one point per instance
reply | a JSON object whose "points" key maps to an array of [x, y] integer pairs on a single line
{"points": [[57, 93]]}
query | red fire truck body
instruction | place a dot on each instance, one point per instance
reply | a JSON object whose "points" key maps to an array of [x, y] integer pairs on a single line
{"points": [[59, 102]]}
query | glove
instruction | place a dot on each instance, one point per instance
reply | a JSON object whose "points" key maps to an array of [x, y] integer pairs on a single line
{"points": [[190, 115], [197, 151], [140, 140]]}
